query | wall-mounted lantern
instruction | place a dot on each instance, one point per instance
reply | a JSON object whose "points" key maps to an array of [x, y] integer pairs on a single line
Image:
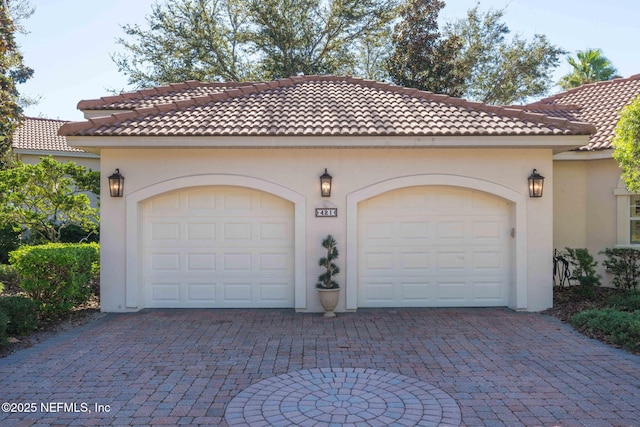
{"points": [[536, 184], [325, 184], [116, 184]]}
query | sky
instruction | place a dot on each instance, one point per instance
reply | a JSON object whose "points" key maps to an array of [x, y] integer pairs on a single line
{"points": [[70, 42]]}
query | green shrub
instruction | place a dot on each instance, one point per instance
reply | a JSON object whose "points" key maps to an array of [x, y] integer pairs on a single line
{"points": [[57, 276], [629, 301], [583, 270], [624, 264], [621, 327], [9, 241], [9, 276], [22, 314], [4, 320]]}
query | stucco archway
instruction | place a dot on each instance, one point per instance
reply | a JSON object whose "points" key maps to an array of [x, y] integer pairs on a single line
{"points": [[517, 200], [133, 203]]}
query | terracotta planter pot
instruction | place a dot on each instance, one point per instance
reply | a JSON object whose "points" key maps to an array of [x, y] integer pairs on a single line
{"points": [[329, 300]]}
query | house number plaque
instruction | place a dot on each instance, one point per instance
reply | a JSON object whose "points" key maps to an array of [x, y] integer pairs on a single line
{"points": [[327, 212]]}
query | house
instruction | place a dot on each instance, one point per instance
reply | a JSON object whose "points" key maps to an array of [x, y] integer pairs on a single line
{"points": [[222, 205], [37, 137], [591, 206]]}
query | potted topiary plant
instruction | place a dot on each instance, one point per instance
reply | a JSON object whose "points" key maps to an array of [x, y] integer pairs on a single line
{"points": [[328, 288]]}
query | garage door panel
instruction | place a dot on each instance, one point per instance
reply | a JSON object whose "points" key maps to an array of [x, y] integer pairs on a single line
{"points": [[485, 260], [274, 262], [417, 230], [204, 202], [234, 262], [237, 291], [198, 262], [165, 231], [200, 292], [417, 261], [165, 262], [274, 231], [218, 247], [201, 231], [378, 260], [432, 246], [165, 291], [487, 230]]}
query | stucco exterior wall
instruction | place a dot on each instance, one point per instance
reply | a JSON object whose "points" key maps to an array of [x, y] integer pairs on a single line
{"points": [[92, 163], [585, 208], [297, 170]]}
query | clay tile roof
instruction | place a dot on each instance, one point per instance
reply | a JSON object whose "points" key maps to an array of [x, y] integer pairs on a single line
{"points": [[41, 135], [312, 106], [597, 103], [158, 95]]}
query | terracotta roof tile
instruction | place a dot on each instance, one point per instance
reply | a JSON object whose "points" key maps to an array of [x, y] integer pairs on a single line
{"points": [[41, 135], [311, 105], [597, 103], [158, 95]]}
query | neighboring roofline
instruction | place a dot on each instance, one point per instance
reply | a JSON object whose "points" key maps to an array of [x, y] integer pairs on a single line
{"points": [[558, 143], [72, 128], [79, 154], [552, 98]]}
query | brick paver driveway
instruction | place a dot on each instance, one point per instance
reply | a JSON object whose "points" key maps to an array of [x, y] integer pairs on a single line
{"points": [[403, 367]]}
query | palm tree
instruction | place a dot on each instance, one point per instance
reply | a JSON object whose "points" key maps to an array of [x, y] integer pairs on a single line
{"points": [[588, 66]]}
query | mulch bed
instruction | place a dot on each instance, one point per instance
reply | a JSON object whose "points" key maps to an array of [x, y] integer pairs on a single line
{"points": [[566, 303], [76, 317]]}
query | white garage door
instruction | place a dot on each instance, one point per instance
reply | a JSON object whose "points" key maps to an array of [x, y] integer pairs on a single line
{"points": [[218, 247], [433, 247]]}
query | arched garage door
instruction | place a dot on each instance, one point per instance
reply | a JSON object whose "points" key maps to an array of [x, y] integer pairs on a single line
{"points": [[432, 247], [218, 246]]}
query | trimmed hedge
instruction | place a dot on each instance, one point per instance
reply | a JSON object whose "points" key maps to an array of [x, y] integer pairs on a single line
{"points": [[22, 315], [9, 276], [57, 276], [4, 320], [620, 327], [629, 301]]}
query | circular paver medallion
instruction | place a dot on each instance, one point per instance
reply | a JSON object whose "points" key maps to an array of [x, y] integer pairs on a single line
{"points": [[323, 397]]}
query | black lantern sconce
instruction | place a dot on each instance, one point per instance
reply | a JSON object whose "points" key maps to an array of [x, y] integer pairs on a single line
{"points": [[536, 184], [116, 184], [325, 184]]}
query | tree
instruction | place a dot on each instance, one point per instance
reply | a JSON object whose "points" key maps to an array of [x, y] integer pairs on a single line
{"points": [[421, 57], [626, 143], [589, 66], [314, 37], [43, 199], [12, 72], [236, 40], [500, 70]]}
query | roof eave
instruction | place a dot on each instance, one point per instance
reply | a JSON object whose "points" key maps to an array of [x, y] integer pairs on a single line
{"points": [[557, 143]]}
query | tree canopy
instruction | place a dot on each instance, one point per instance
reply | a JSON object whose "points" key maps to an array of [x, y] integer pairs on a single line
{"points": [[388, 40], [499, 69], [12, 73], [421, 57], [588, 66], [236, 40], [626, 143], [45, 198]]}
